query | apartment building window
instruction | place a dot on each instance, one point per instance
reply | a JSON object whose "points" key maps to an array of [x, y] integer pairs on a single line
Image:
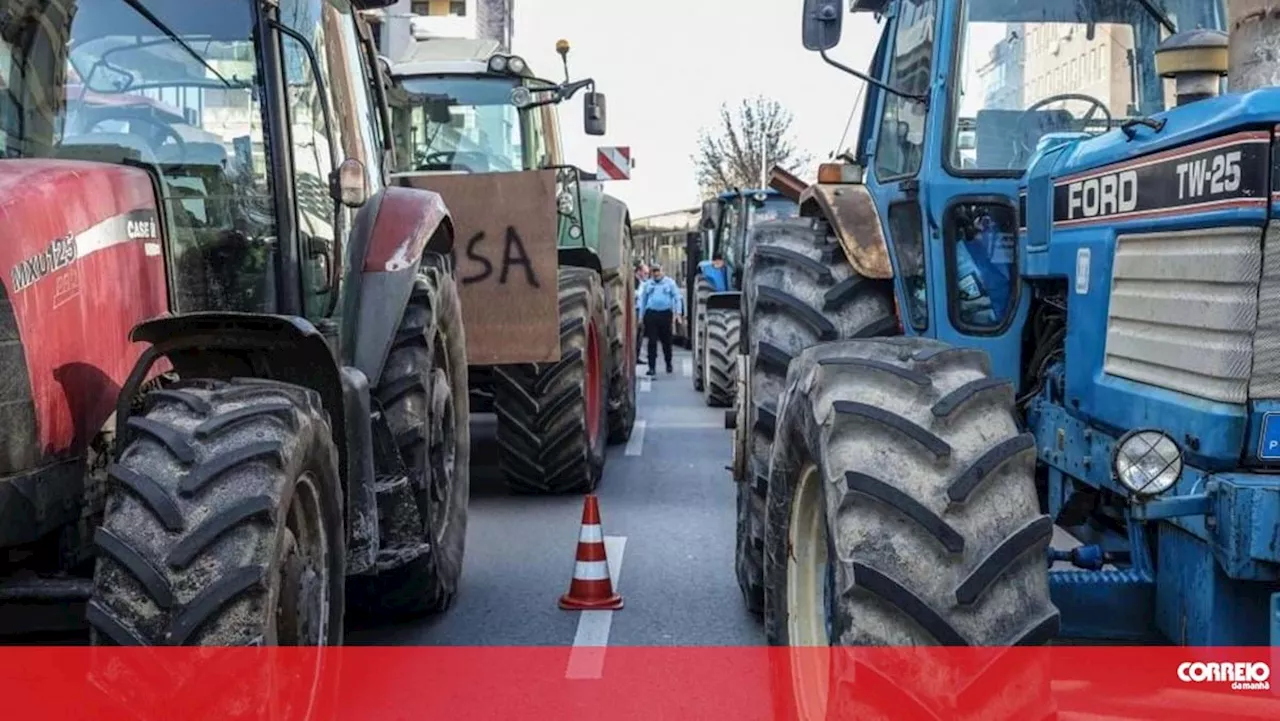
{"points": [[440, 8]]}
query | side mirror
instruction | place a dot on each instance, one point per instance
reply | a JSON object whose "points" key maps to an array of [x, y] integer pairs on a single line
{"points": [[593, 111], [821, 25], [350, 185], [710, 215]]}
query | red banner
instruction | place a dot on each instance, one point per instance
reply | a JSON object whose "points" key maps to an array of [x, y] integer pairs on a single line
{"points": [[638, 683]]}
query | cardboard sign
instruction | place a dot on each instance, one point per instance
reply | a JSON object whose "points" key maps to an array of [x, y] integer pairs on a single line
{"points": [[505, 235]]}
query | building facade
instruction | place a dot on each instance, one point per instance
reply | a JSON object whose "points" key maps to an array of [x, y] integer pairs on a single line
{"points": [[480, 19]]}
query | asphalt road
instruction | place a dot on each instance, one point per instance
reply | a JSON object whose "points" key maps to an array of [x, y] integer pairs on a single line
{"points": [[668, 504]]}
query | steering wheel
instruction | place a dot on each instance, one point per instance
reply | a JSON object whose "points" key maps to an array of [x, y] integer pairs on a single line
{"points": [[1022, 152], [443, 158]]}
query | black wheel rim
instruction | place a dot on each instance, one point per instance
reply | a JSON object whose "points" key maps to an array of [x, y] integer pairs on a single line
{"points": [[302, 605]]}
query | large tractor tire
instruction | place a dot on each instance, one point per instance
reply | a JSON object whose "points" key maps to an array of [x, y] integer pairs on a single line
{"points": [[223, 523], [799, 290], [553, 418], [902, 512], [424, 398], [622, 357], [698, 330], [720, 356]]}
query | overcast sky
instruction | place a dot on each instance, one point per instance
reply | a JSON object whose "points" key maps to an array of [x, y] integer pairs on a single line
{"points": [[667, 65]]}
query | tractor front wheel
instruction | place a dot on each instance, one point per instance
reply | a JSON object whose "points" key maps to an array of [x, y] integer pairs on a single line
{"points": [[698, 330], [720, 356], [553, 418], [903, 512], [223, 523]]}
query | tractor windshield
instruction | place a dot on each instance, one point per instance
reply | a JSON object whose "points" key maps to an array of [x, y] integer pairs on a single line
{"points": [[1031, 67], [171, 84], [773, 207], [459, 124]]}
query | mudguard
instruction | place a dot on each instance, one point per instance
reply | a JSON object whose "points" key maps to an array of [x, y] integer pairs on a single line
{"points": [[611, 232], [390, 234], [851, 213]]}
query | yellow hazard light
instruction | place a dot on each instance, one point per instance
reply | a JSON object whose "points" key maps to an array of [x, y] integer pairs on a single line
{"points": [[835, 173], [562, 46]]}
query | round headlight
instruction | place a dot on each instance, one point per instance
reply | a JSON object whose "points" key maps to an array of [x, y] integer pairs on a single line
{"points": [[498, 64], [565, 202], [521, 96], [1147, 463], [575, 232], [516, 65]]}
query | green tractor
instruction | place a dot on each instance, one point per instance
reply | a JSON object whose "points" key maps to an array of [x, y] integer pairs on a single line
{"points": [[548, 305]]}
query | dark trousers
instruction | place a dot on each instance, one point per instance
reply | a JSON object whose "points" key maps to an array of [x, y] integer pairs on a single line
{"points": [[657, 328]]}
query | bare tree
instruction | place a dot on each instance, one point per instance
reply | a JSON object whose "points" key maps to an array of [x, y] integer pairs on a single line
{"points": [[754, 137]]}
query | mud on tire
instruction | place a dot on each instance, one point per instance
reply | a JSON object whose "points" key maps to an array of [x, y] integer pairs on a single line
{"points": [[552, 418], [424, 398], [926, 491], [223, 518], [799, 289], [720, 353], [622, 357]]}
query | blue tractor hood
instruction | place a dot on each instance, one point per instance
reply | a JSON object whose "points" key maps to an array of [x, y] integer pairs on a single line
{"points": [[1159, 237]]}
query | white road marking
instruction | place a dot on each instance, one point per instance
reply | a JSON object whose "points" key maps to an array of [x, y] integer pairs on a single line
{"points": [[687, 367], [586, 660], [646, 385], [636, 443], [678, 425]]}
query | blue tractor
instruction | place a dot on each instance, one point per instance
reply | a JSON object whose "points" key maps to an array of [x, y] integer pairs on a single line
{"points": [[713, 331], [1045, 302]]}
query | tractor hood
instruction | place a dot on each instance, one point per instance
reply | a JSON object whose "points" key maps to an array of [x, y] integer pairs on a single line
{"points": [[1164, 234]]}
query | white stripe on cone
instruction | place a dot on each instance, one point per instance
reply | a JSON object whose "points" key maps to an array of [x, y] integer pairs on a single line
{"points": [[591, 534], [591, 570]]}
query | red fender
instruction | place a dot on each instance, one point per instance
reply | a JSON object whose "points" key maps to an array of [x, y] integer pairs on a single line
{"points": [[407, 219]]}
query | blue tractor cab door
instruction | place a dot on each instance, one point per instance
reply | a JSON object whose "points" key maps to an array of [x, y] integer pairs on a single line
{"points": [[952, 233]]}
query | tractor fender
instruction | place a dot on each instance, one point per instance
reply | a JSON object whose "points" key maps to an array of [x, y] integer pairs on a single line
{"points": [[851, 213], [282, 348], [391, 233], [580, 258], [612, 233]]}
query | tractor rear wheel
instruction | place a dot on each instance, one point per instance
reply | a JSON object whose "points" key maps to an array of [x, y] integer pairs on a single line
{"points": [[799, 290], [223, 523], [424, 398], [698, 330], [622, 356], [720, 353], [903, 512], [553, 418]]}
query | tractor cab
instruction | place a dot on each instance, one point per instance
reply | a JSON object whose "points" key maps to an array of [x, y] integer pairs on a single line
{"points": [[460, 105], [1018, 74], [727, 221]]}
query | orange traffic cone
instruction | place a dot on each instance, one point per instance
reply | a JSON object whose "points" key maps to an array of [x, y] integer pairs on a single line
{"points": [[591, 589]]}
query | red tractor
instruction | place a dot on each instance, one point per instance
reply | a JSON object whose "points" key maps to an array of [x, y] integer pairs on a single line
{"points": [[233, 387]]}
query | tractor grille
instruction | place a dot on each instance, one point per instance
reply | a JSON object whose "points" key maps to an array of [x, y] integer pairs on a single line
{"points": [[1265, 382], [1183, 311]]}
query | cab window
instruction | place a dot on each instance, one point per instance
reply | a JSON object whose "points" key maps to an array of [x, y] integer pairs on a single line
{"points": [[900, 144]]}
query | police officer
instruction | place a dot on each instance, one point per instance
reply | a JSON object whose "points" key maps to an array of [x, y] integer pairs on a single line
{"points": [[660, 305]]}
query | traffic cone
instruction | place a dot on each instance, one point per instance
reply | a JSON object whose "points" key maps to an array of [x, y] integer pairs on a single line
{"points": [[591, 589]]}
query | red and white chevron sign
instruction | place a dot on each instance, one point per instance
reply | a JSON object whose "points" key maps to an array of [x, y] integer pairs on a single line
{"points": [[614, 163]]}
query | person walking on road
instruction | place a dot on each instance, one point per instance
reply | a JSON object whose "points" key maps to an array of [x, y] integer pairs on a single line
{"points": [[660, 305], [642, 277]]}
